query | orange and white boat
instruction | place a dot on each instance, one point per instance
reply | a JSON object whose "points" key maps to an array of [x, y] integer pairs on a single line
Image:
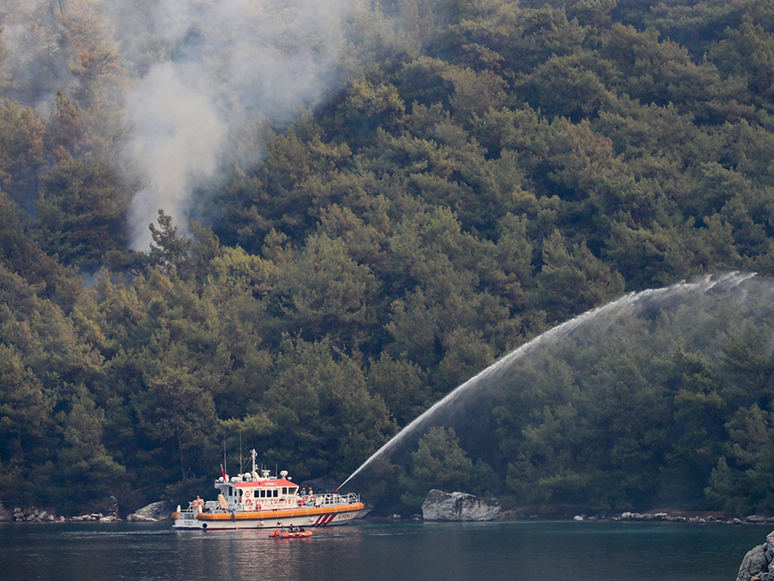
{"points": [[252, 500]]}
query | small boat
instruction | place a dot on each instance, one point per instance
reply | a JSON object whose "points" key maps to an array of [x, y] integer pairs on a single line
{"points": [[290, 534], [252, 500]]}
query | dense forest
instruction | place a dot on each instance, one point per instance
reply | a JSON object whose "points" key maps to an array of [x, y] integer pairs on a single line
{"points": [[462, 176]]}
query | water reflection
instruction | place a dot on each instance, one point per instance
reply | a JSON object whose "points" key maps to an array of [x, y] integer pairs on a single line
{"points": [[249, 555], [377, 551]]}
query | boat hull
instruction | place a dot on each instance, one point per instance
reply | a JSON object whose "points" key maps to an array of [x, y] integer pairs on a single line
{"points": [[323, 516]]}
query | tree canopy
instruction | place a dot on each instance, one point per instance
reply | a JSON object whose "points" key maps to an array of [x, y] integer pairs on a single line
{"points": [[478, 173]]}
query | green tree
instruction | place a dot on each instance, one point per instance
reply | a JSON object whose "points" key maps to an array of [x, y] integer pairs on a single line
{"points": [[168, 252], [326, 420], [402, 385], [65, 136], [698, 427], [439, 462], [85, 474], [82, 212], [25, 405], [593, 282], [21, 152], [325, 291], [175, 413], [739, 482]]}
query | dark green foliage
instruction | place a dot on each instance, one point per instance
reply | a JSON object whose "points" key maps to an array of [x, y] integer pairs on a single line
{"points": [[81, 212], [21, 151], [607, 419], [487, 170], [439, 462]]}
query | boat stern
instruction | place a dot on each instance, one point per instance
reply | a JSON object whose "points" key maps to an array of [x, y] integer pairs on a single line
{"points": [[186, 519]]}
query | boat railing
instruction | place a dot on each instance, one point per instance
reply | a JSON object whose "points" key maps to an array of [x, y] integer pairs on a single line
{"points": [[316, 500], [336, 499]]}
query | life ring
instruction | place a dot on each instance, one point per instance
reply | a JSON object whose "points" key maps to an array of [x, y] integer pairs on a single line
{"points": [[313, 499], [300, 502], [257, 507], [249, 503]]}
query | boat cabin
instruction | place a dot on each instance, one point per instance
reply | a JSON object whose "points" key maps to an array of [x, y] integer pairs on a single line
{"points": [[250, 491]]}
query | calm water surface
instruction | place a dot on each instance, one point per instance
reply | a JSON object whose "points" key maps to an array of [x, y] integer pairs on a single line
{"points": [[377, 551]]}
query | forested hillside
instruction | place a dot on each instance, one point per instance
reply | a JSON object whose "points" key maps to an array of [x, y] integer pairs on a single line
{"points": [[470, 174]]}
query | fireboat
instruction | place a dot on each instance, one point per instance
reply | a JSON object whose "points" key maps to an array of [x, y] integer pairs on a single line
{"points": [[252, 500]]}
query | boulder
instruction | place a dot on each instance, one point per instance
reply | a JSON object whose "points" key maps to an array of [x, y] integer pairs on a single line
{"points": [[154, 512], [134, 517], [458, 506], [757, 519], [758, 563]]}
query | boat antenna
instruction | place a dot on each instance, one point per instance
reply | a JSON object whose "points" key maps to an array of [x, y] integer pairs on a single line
{"points": [[225, 466], [241, 463]]}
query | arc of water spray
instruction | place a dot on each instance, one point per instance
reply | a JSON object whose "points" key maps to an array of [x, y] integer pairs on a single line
{"points": [[705, 284]]}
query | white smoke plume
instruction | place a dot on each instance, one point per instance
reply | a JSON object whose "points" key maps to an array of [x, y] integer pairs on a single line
{"points": [[218, 66], [35, 54], [206, 76]]}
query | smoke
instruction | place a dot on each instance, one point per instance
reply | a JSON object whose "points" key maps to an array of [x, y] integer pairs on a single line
{"points": [[178, 133], [33, 53], [207, 76], [219, 68]]}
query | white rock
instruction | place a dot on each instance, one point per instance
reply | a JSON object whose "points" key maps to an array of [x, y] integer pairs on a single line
{"points": [[153, 512], [140, 518], [458, 506]]}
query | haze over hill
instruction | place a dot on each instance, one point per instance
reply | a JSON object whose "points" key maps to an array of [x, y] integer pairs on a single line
{"points": [[387, 197]]}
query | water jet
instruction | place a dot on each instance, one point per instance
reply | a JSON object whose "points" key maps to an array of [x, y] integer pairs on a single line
{"points": [[696, 316]]}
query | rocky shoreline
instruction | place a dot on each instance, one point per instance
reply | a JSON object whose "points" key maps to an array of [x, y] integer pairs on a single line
{"points": [[665, 515], [154, 512], [162, 511], [33, 514]]}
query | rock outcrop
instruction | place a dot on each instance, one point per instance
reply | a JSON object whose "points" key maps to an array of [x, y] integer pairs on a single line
{"points": [[458, 506], [94, 517], [154, 512], [758, 563], [31, 514]]}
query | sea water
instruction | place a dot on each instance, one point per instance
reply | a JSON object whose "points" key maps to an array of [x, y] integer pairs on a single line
{"points": [[380, 550]]}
